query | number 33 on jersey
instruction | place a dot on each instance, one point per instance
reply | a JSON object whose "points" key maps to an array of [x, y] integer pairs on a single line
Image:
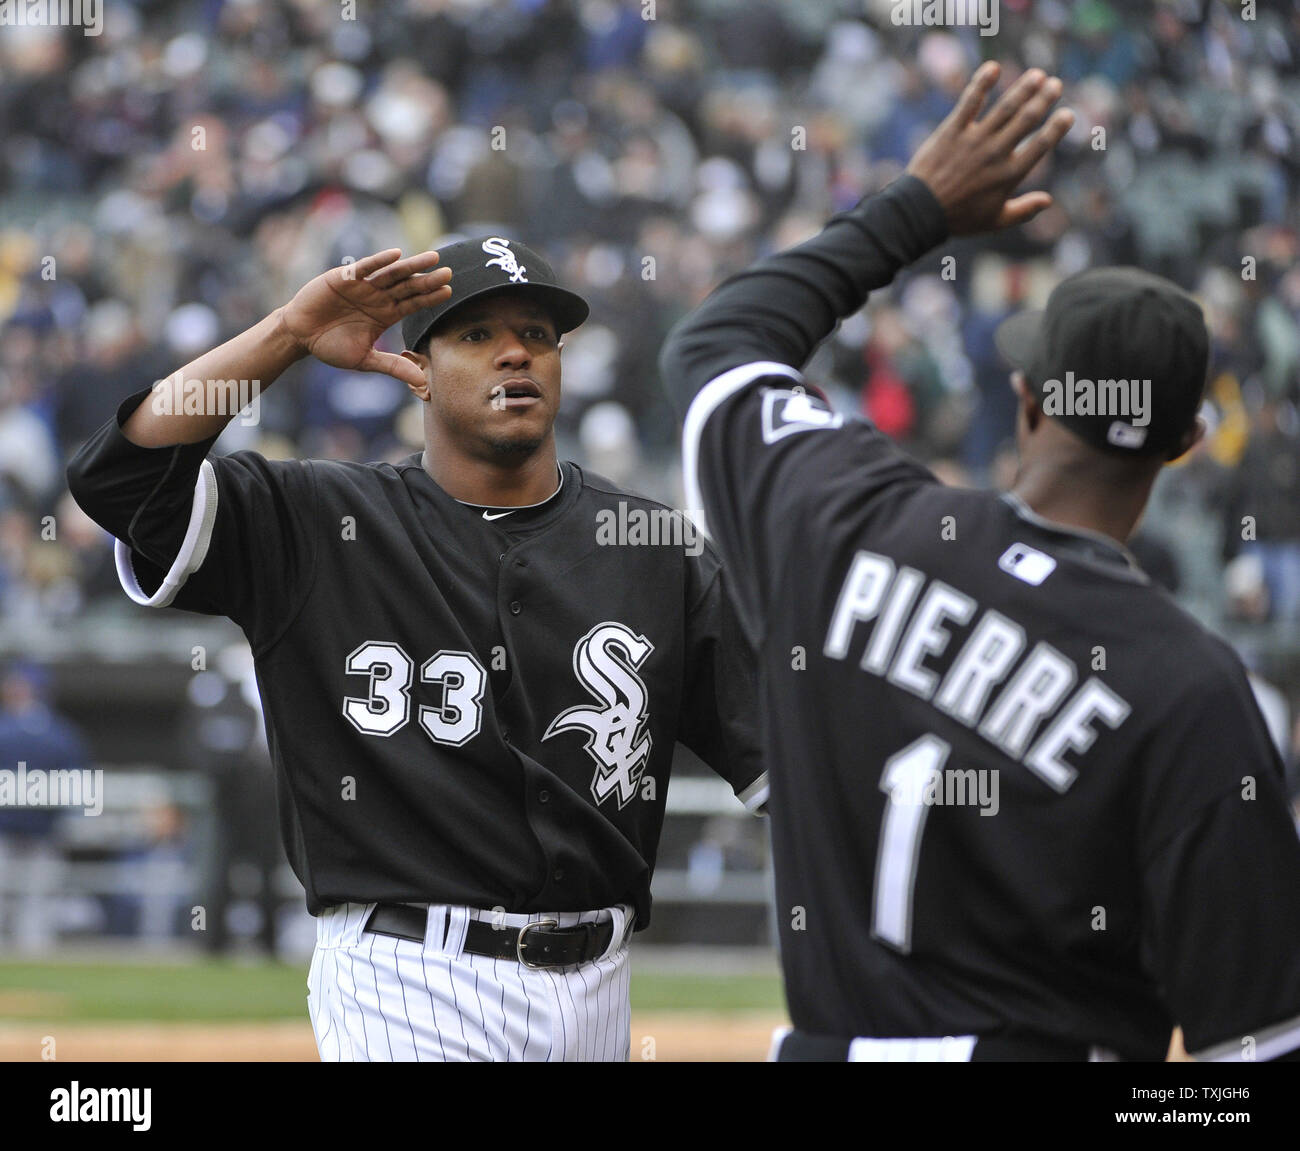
{"points": [[604, 661]]}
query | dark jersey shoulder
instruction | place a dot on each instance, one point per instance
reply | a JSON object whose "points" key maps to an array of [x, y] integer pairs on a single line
{"points": [[1014, 786]]}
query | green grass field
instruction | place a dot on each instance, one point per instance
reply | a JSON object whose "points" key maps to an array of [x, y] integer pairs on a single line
{"points": [[222, 990]]}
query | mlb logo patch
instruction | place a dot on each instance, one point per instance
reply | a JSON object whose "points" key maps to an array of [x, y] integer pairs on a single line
{"points": [[786, 411], [1027, 564], [1124, 435]]}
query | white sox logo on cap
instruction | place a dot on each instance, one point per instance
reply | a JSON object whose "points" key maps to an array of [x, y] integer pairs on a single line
{"points": [[499, 248]]}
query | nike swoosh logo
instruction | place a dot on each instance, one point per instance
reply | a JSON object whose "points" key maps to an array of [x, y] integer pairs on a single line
{"points": [[489, 516]]}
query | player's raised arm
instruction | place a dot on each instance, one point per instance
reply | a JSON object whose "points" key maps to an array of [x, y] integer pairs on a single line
{"points": [[145, 476], [336, 317], [732, 366], [961, 180]]}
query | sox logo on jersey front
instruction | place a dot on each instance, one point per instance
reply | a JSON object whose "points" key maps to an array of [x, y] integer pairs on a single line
{"points": [[505, 259], [605, 660]]}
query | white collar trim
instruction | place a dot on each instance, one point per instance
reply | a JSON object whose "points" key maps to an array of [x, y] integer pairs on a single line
{"points": [[503, 511]]}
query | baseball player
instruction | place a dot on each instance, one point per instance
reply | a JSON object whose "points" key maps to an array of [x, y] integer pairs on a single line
{"points": [[1023, 806], [471, 698]]}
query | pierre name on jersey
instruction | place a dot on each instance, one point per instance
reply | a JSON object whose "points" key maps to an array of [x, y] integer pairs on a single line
{"points": [[996, 685]]}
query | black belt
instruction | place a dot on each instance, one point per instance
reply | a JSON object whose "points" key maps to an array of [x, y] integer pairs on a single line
{"points": [[540, 944], [802, 1047]]}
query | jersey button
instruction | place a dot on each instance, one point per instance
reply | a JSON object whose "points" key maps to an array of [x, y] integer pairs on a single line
{"points": [[559, 874], [515, 607], [543, 796], [505, 735]]}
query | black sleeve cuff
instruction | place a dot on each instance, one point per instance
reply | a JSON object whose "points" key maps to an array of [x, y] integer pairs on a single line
{"points": [[140, 495], [921, 222], [188, 457], [126, 409]]}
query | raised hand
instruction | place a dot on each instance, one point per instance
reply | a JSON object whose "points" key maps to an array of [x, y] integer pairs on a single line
{"points": [[974, 165], [339, 315]]}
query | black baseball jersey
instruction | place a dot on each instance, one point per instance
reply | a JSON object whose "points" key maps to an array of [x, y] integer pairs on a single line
{"points": [[464, 706], [1016, 790]]}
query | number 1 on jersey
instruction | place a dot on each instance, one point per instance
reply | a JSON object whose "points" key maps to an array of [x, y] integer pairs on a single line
{"points": [[907, 775]]}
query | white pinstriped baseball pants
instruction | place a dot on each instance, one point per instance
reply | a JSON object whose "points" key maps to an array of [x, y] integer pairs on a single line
{"points": [[374, 998]]}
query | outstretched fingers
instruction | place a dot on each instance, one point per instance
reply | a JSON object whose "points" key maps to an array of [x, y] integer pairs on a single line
{"points": [[973, 165], [971, 101], [421, 296], [1012, 101], [1029, 116], [1042, 142], [1023, 208], [420, 284], [370, 264], [390, 274]]}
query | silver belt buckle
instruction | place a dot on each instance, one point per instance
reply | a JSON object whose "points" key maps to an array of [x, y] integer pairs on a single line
{"points": [[523, 932]]}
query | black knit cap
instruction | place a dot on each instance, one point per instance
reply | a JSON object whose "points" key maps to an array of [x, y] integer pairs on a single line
{"points": [[491, 264], [1119, 356]]}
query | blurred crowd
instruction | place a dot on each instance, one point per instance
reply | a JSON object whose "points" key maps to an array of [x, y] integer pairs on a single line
{"points": [[171, 180]]}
